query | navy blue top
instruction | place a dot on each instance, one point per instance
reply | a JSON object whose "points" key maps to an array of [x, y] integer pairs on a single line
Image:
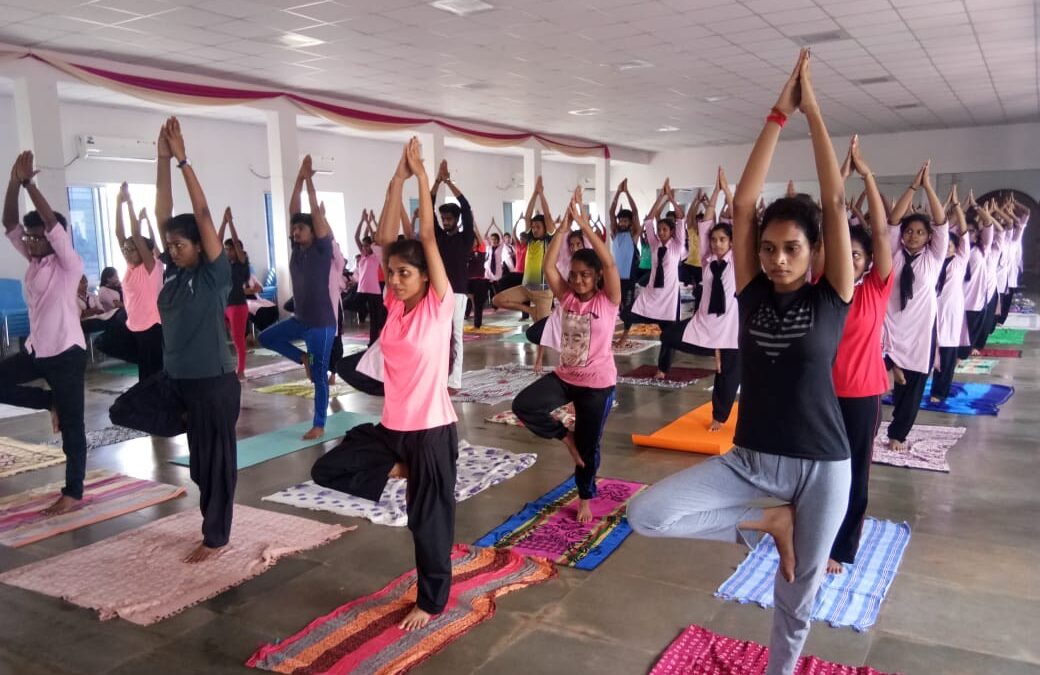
{"points": [[309, 269]]}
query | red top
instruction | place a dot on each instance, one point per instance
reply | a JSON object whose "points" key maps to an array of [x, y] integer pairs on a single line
{"points": [[859, 369], [521, 256]]}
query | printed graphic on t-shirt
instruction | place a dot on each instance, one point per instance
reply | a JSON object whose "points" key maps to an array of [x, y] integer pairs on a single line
{"points": [[772, 333], [576, 337]]}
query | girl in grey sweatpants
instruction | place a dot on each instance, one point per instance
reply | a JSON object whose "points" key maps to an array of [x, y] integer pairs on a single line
{"points": [[709, 500]]}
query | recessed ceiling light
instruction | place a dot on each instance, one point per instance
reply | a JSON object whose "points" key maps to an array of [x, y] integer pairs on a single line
{"points": [[714, 99], [634, 64], [472, 86], [297, 41], [667, 129], [461, 7], [906, 106], [818, 38], [875, 80], [584, 112]]}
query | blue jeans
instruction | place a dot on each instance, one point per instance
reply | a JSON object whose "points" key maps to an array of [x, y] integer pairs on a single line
{"points": [[279, 338]]}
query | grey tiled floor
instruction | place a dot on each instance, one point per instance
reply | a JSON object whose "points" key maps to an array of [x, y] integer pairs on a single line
{"points": [[966, 599]]}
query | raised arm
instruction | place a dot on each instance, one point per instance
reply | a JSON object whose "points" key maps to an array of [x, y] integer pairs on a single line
{"points": [[211, 244], [361, 224], [902, 205], [612, 214], [163, 186], [321, 225], [14, 186], [878, 234], [296, 201], [662, 199], [939, 242], [838, 262], [531, 203], [147, 255], [142, 217], [709, 209], [235, 241], [545, 208], [24, 174], [407, 228], [556, 282], [434, 264], [121, 199], [611, 277], [745, 239]]}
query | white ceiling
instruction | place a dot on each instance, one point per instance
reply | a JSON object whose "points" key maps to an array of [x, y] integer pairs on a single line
{"points": [[527, 62]]}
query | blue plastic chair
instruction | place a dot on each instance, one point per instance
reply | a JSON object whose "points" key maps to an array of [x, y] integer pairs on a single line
{"points": [[13, 311]]}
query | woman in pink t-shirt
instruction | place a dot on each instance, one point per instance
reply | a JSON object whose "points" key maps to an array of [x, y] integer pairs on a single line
{"points": [[859, 370], [416, 438], [368, 270], [141, 285], [589, 300]]}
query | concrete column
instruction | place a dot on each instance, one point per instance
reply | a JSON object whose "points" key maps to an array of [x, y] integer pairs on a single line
{"points": [[602, 182], [38, 118], [532, 170], [283, 153], [433, 152]]}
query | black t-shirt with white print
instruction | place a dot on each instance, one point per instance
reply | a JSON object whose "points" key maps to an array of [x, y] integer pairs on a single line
{"points": [[787, 347]]}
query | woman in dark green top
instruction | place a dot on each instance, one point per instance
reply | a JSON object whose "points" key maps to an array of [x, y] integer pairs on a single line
{"points": [[195, 353]]}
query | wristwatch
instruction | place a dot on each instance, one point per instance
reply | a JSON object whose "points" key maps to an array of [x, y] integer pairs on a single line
{"points": [[183, 163]]}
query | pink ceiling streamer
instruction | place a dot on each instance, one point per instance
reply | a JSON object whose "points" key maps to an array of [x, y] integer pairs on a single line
{"points": [[179, 92]]}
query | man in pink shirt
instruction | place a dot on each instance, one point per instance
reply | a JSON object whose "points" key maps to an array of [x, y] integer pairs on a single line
{"points": [[56, 350]]}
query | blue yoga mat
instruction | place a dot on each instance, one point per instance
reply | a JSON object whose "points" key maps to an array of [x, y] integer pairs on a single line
{"points": [[257, 449], [966, 398], [850, 599]]}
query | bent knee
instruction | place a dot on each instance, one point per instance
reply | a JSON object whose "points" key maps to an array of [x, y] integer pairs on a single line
{"points": [[644, 518]]}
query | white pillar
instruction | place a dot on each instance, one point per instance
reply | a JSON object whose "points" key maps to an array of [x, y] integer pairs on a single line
{"points": [[283, 153], [433, 152], [602, 183], [532, 170], [38, 118]]}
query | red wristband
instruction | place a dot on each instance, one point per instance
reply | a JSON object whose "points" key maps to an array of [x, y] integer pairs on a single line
{"points": [[778, 117]]}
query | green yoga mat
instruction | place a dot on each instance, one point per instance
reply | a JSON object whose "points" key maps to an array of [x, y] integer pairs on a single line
{"points": [[258, 449], [121, 370], [1007, 336], [520, 338]]}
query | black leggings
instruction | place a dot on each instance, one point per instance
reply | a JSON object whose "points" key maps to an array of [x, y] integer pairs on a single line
{"points": [[862, 418], [376, 316], [478, 288], [943, 379], [149, 351], [906, 401], [534, 406], [727, 378], [360, 465], [628, 298], [212, 405]]}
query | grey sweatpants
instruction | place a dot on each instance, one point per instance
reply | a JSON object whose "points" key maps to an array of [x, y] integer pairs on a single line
{"points": [[707, 501], [455, 355]]}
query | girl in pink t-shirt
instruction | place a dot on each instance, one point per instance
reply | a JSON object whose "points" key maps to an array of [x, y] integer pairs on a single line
{"points": [[416, 438], [141, 285], [589, 300]]}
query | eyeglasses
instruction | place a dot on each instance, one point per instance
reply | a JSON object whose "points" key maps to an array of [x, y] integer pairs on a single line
{"points": [[33, 238]]}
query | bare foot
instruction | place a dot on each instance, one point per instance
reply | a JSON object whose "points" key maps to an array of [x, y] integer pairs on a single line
{"points": [[415, 620], [202, 553], [55, 422], [834, 567], [715, 426], [241, 377], [399, 470], [314, 434], [896, 446], [778, 521], [332, 379], [935, 399], [976, 352], [584, 511], [306, 361], [660, 375], [572, 448], [63, 504], [898, 375]]}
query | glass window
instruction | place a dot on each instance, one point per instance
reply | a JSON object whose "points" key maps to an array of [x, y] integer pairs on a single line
{"points": [[87, 229]]}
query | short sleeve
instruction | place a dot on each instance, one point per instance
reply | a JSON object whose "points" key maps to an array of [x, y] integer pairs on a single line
{"points": [[754, 288], [826, 295], [323, 245], [215, 274], [61, 242]]}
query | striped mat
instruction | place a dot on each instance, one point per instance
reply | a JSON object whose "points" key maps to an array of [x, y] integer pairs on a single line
{"points": [[850, 599], [106, 495], [548, 528], [18, 457], [362, 636], [305, 389], [698, 651]]}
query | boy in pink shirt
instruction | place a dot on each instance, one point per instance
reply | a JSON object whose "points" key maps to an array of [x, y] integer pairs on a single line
{"points": [[55, 349], [589, 301]]}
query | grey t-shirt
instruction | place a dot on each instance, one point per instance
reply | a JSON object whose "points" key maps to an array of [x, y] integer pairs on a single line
{"points": [[191, 305]]}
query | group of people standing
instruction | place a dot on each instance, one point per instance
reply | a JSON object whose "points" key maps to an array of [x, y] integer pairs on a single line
{"points": [[804, 310]]}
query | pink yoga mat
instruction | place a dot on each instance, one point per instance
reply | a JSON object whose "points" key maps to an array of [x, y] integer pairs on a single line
{"points": [[698, 651]]}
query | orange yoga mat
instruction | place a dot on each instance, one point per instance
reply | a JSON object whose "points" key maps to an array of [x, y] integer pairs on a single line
{"points": [[690, 433]]}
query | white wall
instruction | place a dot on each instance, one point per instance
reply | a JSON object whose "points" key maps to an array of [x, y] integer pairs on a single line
{"points": [[231, 161]]}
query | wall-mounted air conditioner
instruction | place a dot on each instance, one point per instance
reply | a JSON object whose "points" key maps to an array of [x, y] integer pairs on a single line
{"points": [[89, 146], [321, 164]]}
